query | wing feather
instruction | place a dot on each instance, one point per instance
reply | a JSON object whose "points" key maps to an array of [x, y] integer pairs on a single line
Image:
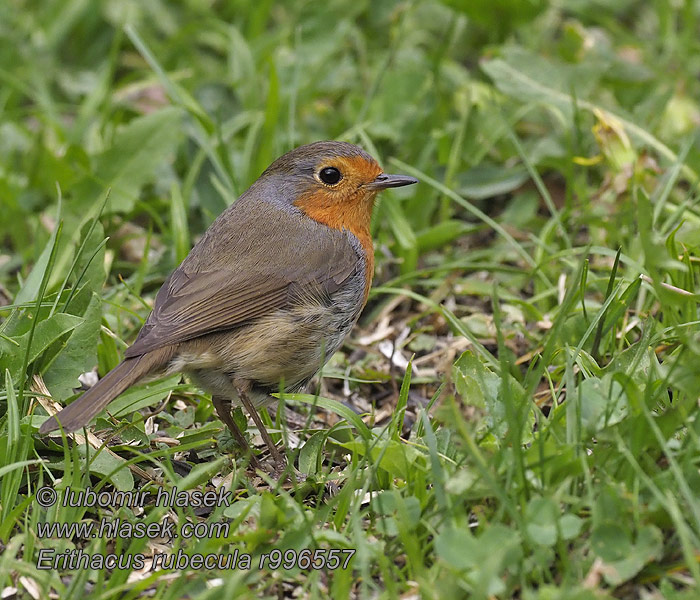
{"points": [[197, 299]]}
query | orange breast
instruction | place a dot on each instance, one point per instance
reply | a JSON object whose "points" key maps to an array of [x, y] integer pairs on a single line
{"points": [[347, 206], [354, 218]]}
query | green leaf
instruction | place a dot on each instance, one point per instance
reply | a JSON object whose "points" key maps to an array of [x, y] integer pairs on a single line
{"points": [[527, 77], [441, 234], [603, 403], [610, 541], [570, 526], [480, 386], [629, 559], [132, 160], [485, 557], [390, 506], [499, 15], [482, 182], [530, 77], [457, 546], [78, 354], [266, 148], [542, 515], [403, 232], [395, 457], [638, 361], [333, 406], [109, 465], [90, 266], [310, 453], [178, 222], [401, 403], [46, 333], [475, 382], [32, 284], [202, 473], [142, 395]]}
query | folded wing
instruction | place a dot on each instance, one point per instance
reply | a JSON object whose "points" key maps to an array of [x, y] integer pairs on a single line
{"points": [[196, 300]]}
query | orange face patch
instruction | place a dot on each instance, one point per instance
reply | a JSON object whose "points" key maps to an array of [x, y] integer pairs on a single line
{"points": [[347, 204], [356, 169]]}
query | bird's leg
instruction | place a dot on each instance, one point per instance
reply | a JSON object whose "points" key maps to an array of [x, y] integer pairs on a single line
{"points": [[223, 409], [242, 388]]}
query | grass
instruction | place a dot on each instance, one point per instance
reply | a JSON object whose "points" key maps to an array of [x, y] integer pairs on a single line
{"points": [[515, 416]]}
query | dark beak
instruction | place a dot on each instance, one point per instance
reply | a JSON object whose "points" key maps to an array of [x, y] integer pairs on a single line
{"points": [[384, 181]]}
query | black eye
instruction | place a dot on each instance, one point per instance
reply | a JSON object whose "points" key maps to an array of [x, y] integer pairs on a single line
{"points": [[330, 175]]}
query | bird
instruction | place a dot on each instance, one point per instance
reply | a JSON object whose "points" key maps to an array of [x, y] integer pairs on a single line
{"points": [[268, 293]]}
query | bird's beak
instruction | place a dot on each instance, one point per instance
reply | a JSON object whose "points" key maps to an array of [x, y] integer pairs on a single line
{"points": [[384, 181]]}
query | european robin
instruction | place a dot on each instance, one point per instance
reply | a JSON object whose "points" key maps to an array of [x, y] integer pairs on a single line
{"points": [[269, 292]]}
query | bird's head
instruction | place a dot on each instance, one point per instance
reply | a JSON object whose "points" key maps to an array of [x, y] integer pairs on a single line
{"points": [[334, 183]]}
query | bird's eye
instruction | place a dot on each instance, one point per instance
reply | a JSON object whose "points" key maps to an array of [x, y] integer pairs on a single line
{"points": [[330, 175]]}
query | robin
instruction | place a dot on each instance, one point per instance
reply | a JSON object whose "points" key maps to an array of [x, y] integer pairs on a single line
{"points": [[268, 293]]}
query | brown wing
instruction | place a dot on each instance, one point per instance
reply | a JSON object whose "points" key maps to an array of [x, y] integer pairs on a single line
{"points": [[255, 280]]}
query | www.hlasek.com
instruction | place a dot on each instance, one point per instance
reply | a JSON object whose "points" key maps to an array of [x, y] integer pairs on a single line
{"points": [[106, 528]]}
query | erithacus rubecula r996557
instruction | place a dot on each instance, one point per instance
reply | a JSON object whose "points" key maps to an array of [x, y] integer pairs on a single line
{"points": [[269, 292]]}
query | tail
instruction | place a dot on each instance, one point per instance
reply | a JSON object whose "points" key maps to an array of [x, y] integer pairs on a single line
{"points": [[91, 403]]}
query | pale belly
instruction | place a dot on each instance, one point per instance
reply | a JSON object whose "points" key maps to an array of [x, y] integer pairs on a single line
{"points": [[282, 350]]}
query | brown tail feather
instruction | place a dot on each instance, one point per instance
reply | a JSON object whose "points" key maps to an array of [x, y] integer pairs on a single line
{"points": [[92, 402]]}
